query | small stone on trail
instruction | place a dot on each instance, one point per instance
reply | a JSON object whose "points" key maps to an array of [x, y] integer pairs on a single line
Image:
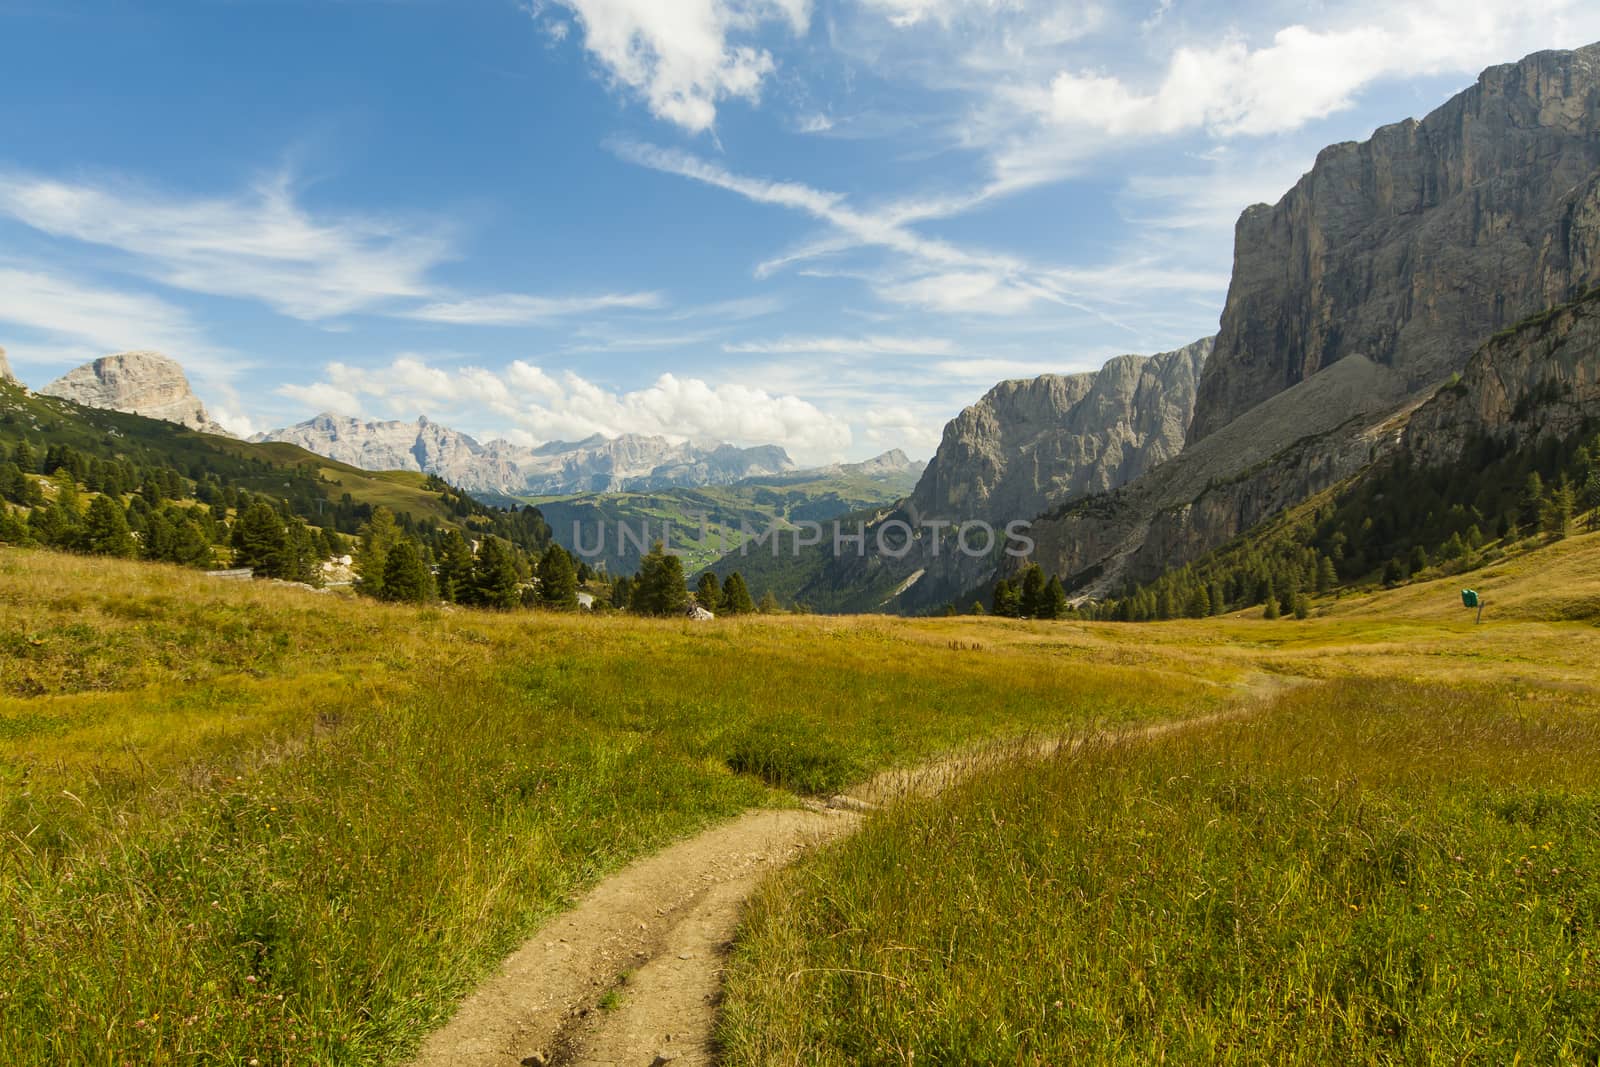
{"points": [[538, 1059], [663, 1058]]}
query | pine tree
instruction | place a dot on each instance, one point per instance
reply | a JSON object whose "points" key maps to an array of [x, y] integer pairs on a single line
{"points": [[1271, 611], [1007, 602], [736, 595], [105, 529], [769, 604], [622, 593], [495, 582], [378, 536], [1199, 602], [1555, 513], [1053, 604], [558, 580], [1394, 572], [1419, 559], [1327, 576], [1591, 498], [259, 539], [976, 608], [1031, 597], [405, 579], [708, 594], [1218, 604], [1532, 504], [455, 568], [1302, 606], [660, 588]]}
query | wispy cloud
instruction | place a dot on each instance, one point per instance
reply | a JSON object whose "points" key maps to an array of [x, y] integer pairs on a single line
{"points": [[514, 309], [92, 320], [847, 346], [261, 245]]}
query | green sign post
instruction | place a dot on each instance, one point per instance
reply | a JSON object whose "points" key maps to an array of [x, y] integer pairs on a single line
{"points": [[1471, 599]]}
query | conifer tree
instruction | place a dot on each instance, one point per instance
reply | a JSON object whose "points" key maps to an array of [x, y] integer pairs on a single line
{"points": [[405, 579], [455, 568], [769, 604], [1031, 596], [708, 594], [660, 588], [259, 539], [105, 529], [1053, 604], [736, 595], [1555, 513], [1531, 509], [495, 582], [1271, 611], [558, 580], [1007, 600], [378, 536]]}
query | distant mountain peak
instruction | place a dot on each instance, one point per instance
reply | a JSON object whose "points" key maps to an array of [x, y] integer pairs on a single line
{"points": [[139, 382], [556, 468]]}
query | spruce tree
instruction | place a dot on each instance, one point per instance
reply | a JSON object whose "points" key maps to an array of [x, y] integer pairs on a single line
{"points": [[1053, 604], [405, 579], [378, 536], [1555, 513], [769, 604], [660, 588], [736, 595], [455, 568], [1531, 508], [708, 594], [1031, 595], [1007, 600], [558, 580], [105, 529], [495, 582], [259, 539]]}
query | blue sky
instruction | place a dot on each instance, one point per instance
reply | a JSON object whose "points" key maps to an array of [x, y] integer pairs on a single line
{"points": [[828, 224]]}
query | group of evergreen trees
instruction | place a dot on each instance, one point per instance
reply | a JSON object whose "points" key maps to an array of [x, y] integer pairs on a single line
{"points": [[1030, 595]]}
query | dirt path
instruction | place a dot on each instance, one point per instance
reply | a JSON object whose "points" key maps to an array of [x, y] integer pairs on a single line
{"points": [[631, 975]]}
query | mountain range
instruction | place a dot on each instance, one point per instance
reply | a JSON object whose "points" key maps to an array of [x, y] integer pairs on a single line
{"points": [[597, 464]]}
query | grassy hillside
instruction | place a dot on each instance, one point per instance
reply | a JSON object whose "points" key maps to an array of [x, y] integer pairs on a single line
{"points": [[756, 505], [257, 822], [217, 796], [1393, 859]]}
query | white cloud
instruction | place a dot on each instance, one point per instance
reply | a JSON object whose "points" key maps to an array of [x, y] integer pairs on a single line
{"points": [[259, 246], [530, 404], [97, 320], [848, 346], [679, 55], [515, 309]]}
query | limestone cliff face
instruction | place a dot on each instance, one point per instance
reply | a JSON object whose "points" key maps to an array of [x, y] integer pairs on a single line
{"points": [[139, 383], [596, 464], [1029, 444], [1539, 381], [1413, 247], [5, 368]]}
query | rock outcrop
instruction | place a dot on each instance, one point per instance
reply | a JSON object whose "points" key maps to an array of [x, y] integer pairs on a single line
{"points": [[1030, 444], [5, 368], [596, 464], [138, 383], [1411, 248]]}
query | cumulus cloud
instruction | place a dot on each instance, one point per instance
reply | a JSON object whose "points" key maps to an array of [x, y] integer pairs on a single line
{"points": [[682, 57], [529, 404], [261, 245]]}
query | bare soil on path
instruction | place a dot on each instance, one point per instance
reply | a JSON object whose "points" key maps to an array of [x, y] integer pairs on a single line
{"points": [[632, 974]]}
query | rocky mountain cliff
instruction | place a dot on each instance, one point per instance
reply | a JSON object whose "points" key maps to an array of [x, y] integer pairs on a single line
{"points": [[5, 368], [1377, 276], [139, 383], [1412, 247], [1026, 446], [1031, 443], [597, 464]]}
